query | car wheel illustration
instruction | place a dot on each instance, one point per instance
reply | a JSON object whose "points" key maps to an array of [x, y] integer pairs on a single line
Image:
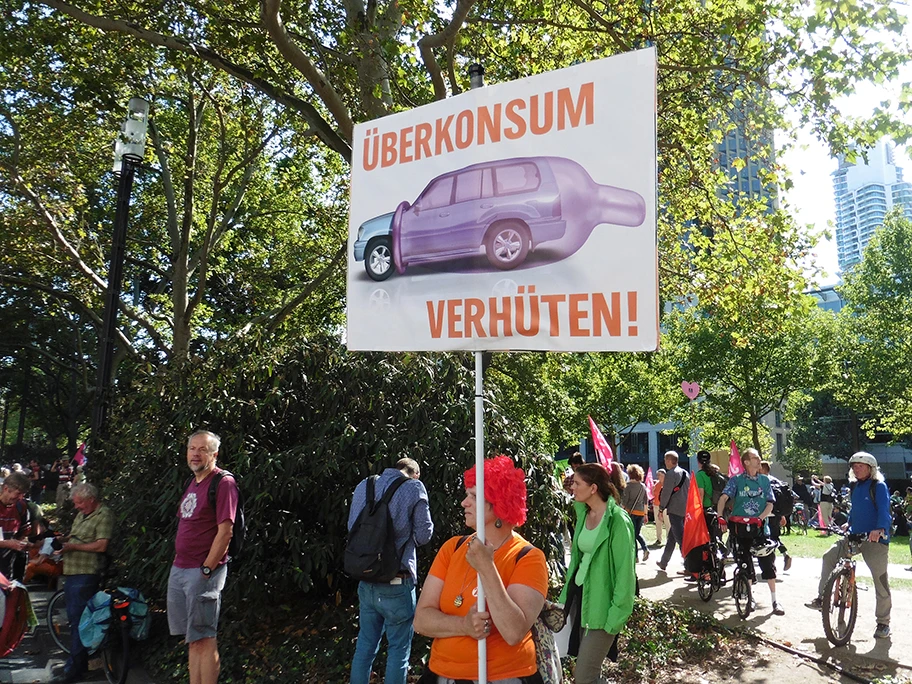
{"points": [[378, 259], [507, 245]]}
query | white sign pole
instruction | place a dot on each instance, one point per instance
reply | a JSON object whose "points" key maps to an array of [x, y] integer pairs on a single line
{"points": [[479, 502], [476, 78]]}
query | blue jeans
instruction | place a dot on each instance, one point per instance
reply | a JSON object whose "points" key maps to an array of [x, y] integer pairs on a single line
{"points": [[388, 608], [675, 535], [78, 589], [637, 526]]}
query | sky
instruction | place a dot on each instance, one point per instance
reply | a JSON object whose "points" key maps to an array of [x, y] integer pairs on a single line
{"points": [[810, 164]]}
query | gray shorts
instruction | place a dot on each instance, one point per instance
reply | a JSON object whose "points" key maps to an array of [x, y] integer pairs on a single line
{"points": [[194, 602]]}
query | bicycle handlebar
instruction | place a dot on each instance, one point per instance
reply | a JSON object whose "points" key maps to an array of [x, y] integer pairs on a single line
{"points": [[744, 521], [850, 536]]}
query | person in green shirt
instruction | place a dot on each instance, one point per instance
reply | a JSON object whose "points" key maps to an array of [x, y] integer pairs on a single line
{"points": [[600, 582]]}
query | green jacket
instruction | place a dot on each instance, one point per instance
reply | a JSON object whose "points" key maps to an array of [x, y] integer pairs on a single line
{"points": [[611, 582]]}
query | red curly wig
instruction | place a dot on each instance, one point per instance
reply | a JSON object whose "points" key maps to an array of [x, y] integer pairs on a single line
{"points": [[505, 489]]}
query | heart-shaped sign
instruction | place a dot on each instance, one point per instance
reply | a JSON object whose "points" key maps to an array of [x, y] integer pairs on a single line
{"points": [[690, 389]]}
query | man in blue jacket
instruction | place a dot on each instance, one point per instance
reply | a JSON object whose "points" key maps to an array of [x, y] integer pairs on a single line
{"points": [[389, 607], [870, 515]]}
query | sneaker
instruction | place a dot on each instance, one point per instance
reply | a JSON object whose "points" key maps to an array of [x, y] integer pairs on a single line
{"points": [[645, 555], [816, 604], [788, 563], [690, 578], [661, 565], [882, 631], [778, 609]]}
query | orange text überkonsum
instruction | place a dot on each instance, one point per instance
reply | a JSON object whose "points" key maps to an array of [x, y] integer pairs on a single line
{"points": [[536, 115]]}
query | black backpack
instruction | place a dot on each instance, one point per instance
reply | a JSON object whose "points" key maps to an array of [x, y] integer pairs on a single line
{"points": [[371, 554], [718, 486], [239, 531], [785, 498]]}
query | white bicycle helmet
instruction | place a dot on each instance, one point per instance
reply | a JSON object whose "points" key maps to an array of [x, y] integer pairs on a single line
{"points": [[863, 457], [764, 547]]}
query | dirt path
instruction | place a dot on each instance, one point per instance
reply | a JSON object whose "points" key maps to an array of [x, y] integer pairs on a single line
{"points": [[800, 628]]}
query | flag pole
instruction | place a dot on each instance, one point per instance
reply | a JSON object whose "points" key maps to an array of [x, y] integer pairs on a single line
{"points": [[476, 80]]}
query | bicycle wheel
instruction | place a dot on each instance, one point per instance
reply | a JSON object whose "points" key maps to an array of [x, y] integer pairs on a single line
{"points": [[705, 586], [57, 622], [741, 590], [115, 655], [799, 520], [840, 607]]}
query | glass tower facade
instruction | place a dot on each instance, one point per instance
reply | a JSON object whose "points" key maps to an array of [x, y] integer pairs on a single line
{"points": [[864, 192]]}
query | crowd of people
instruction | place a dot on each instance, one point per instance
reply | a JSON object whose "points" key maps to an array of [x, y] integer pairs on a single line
{"points": [[608, 509], [610, 506]]}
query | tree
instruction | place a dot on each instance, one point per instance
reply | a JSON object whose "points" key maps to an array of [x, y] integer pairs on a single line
{"points": [[821, 425], [550, 396], [747, 350], [876, 326]]}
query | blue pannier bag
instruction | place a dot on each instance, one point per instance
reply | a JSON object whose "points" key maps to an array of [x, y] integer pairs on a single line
{"points": [[97, 618]]}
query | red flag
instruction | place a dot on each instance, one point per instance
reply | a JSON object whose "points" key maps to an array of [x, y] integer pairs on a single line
{"points": [[695, 532], [650, 483], [602, 448], [79, 456], [735, 467]]}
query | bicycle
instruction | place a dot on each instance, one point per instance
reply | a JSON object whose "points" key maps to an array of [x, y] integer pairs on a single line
{"points": [[799, 517], [58, 623], [115, 655], [712, 575], [840, 594], [115, 649], [745, 531]]}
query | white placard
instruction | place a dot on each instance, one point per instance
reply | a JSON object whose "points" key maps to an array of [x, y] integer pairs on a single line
{"points": [[517, 216]]}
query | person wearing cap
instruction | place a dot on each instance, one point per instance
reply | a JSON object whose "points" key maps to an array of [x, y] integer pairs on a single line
{"points": [[870, 515]]}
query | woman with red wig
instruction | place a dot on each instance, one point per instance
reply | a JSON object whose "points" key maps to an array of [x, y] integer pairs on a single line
{"points": [[601, 583], [514, 575]]}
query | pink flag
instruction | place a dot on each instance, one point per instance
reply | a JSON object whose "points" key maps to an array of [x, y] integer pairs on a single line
{"points": [[602, 448], [649, 483], [735, 467], [79, 456]]}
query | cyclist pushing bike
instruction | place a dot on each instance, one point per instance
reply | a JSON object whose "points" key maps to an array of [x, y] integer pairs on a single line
{"points": [[870, 515], [753, 499]]}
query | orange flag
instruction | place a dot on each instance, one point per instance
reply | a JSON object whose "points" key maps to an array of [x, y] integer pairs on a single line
{"points": [[695, 532]]}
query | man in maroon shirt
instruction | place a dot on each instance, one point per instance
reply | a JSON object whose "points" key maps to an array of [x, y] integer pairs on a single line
{"points": [[200, 562]]}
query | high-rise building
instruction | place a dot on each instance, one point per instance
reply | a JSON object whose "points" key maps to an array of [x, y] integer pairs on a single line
{"points": [[865, 191]]}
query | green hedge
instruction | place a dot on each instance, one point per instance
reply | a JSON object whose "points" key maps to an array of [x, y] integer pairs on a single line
{"points": [[301, 425]]}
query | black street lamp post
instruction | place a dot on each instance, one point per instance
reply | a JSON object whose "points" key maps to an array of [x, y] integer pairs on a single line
{"points": [[128, 156]]}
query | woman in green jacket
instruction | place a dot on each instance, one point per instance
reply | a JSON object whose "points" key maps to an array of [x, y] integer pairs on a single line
{"points": [[601, 582]]}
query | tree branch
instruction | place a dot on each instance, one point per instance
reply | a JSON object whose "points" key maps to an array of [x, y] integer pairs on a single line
{"points": [[324, 131], [51, 223], [272, 19], [427, 44], [72, 299]]}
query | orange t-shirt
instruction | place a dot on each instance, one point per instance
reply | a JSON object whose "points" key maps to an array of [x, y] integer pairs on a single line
{"points": [[656, 492], [457, 657]]}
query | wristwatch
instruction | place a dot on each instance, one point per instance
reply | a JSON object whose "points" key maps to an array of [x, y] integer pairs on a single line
{"points": [[206, 570]]}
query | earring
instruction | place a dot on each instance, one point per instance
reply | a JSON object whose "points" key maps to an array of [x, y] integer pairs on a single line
{"points": [[498, 523]]}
